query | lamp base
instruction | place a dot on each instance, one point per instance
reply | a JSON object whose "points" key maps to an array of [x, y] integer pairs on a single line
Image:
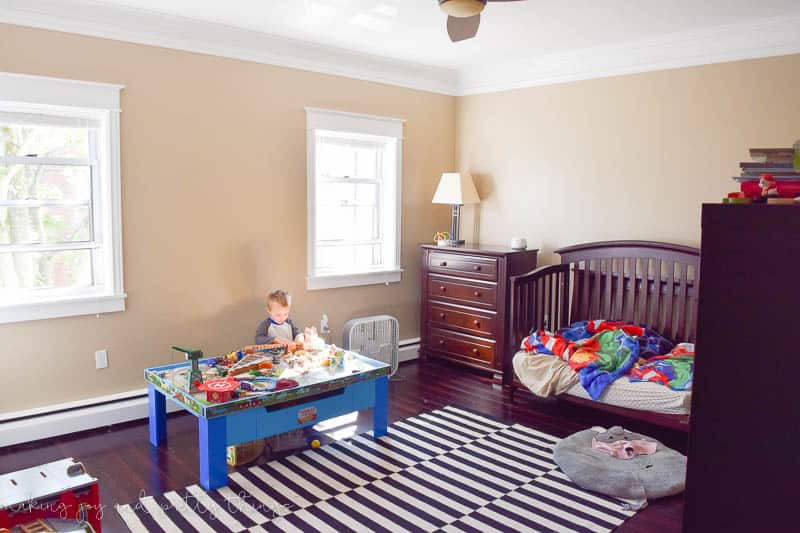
{"points": [[445, 242]]}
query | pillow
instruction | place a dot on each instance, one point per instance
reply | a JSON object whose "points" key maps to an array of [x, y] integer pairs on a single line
{"points": [[643, 477]]}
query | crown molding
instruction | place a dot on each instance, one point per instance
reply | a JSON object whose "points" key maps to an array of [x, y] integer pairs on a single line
{"points": [[752, 40], [757, 39], [155, 29]]}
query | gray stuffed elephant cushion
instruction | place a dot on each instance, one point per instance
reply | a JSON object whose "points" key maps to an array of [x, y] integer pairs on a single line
{"points": [[643, 477]]}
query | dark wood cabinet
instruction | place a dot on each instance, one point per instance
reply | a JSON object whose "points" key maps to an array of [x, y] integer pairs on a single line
{"points": [[744, 460], [465, 298]]}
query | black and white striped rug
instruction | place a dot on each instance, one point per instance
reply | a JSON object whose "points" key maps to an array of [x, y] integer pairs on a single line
{"points": [[448, 470]]}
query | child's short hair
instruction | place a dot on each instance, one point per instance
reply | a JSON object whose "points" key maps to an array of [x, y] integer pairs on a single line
{"points": [[279, 297]]}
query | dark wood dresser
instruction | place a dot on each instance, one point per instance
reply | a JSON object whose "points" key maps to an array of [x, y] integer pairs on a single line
{"points": [[465, 298], [744, 461]]}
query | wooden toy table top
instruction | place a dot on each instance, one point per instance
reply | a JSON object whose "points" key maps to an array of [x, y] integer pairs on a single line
{"points": [[172, 380]]}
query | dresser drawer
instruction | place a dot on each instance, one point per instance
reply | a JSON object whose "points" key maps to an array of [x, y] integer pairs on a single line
{"points": [[468, 266], [462, 346], [474, 322], [463, 292]]}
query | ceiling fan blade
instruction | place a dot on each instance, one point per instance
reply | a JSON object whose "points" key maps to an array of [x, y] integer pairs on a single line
{"points": [[459, 28]]}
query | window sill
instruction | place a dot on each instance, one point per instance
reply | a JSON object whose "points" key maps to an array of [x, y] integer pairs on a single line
{"points": [[353, 280], [88, 305]]}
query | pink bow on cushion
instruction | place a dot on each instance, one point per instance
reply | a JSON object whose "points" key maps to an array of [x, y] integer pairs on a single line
{"points": [[626, 449]]}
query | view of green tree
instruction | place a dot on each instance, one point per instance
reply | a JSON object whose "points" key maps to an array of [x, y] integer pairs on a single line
{"points": [[43, 224]]}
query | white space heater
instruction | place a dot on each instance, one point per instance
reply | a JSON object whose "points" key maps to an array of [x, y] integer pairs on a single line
{"points": [[377, 337]]}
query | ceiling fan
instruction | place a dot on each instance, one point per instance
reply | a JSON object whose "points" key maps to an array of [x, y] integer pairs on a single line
{"points": [[464, 17]]}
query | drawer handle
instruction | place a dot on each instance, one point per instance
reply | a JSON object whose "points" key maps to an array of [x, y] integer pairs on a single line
{"points": [[443, 263], [474, 350], [477, 323], [442, 288], [441, 343], [441, 315], [476, 294], [477, 268]]}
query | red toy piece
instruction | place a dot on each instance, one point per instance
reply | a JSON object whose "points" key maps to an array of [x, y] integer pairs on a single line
{"points": [[285, 384], [219, 390]]}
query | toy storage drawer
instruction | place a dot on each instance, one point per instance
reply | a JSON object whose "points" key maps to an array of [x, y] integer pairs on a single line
{"points": [[469, 266], [473, 322], [465, 292], [462, 346]]}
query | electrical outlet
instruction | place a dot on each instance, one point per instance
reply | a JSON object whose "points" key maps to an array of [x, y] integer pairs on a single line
{"points": [[101, 359]]}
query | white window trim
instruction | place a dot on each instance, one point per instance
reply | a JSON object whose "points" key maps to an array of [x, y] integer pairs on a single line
{"points": [[341, 121], [44, 94]]}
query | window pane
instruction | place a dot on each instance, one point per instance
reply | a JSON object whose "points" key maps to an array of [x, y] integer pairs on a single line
{"points": [[367, 163], [368, 256], [366, 223], [334, 258], [348, 258], [52, 224], [43, 270], [335, 224], [45, 182], [335, 160], [336, 194], [367, 194], [44, 141]]}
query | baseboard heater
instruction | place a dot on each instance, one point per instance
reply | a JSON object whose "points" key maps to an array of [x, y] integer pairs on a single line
{"points": [[73, 417]]}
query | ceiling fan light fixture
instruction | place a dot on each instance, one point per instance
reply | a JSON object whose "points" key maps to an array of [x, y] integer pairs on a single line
{"points": [[462, 8]]}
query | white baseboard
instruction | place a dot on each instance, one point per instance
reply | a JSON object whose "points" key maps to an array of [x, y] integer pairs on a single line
{"points": [[111, 410], [71, 417], [409, 350]]}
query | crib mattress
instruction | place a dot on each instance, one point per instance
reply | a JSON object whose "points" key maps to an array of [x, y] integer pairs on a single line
{"points": [[639, 395]]}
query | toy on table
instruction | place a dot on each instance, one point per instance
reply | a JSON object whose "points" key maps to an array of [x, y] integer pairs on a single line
{"points": [[61, 489], [248, 363], [219, 390], [195, 376]]}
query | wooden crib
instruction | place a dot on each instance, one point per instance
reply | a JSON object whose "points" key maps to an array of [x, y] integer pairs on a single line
{"points": [[651, 284]]}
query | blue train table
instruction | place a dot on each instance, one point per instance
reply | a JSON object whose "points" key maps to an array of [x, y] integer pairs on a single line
{"points": [[319, 388]]}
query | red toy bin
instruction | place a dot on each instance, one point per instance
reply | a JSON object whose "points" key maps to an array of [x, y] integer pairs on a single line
{"points": [[59, 490]]}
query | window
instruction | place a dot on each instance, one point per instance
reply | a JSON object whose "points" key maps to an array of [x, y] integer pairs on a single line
{"points": [[60, 250], [354, 174]]}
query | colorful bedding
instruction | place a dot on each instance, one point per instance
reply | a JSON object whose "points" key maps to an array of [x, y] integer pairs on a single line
{"points": [[674, 370], [600, 351]]}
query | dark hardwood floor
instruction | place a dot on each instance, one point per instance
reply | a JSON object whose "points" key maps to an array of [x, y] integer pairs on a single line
{"points": [[127, 466]]}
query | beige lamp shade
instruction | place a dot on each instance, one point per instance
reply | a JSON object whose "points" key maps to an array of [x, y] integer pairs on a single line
{"points": [[456, 188]]}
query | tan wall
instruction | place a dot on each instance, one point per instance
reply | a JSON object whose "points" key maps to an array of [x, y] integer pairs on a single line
{"points": [[630, 157], [214, 208]]}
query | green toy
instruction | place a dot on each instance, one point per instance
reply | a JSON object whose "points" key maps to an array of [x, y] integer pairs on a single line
{"points": [[195, 377]]}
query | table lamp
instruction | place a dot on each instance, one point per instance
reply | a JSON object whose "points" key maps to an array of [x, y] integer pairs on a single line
{"points": [[456, 189]]}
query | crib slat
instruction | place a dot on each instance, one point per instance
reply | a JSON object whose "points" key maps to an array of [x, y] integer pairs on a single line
{"points": [[587, 272], [619, 276], [564, 284], [596, 289], [681, 325], [553, 300], [644, 317], [657, 294], [692, 337], [668, 329], [607, 297]]}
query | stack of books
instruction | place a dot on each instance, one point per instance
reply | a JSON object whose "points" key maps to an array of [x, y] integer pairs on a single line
{"points": [[771, 174]]}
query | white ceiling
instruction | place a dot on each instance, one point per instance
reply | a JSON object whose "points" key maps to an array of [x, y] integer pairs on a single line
{"points": [[414, 30], [519, 43]]}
